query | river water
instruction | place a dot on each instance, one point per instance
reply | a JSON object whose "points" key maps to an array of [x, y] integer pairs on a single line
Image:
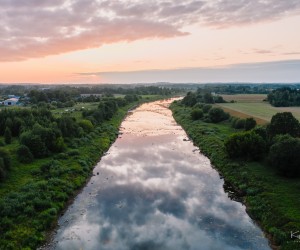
{"points": [[155, 190]]}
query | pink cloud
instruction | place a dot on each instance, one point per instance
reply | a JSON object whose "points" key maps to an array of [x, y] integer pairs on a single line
{"points": [[34, 28]]}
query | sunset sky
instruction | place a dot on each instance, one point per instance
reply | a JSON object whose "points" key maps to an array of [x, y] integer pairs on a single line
{"points": [[124, 41]]}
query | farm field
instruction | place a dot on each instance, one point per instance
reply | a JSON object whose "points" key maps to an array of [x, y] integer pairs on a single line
{"points": [[253, 105]]}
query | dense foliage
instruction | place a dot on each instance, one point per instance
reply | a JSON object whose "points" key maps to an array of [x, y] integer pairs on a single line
{"points": [[284, 97], [247, 145], [284, 123], [284, 155]]}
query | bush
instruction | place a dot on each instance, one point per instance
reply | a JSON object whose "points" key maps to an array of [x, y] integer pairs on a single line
{"points": [[284, 155], [284, 123], [196, 113], [7, 135], [73, 152], [250, 123], [24, 154], [206, 108], [34, 143], [6, 158], [2, 171], [240, 124], [86, 125], [247, 145], [217, 115]]}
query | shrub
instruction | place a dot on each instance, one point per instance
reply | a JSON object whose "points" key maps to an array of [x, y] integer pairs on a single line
{"points": [[6, 158], [233, 121], [284, 123], [24, 154], [250, 123], [247, 145], [261, 131], [73, 152], [284, 155], [7, 135], [198, 105], [240, 124], [196, 113], [217, 115], [86, 125], [206, 108]]}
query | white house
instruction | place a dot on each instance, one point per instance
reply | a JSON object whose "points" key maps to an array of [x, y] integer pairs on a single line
{"points": [[10, 102]]}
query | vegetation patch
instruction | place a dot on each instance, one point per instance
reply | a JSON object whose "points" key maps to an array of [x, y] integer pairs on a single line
{"points": [[47, 155], [271, 198]]}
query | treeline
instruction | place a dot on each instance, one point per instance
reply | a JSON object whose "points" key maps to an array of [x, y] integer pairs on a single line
{"points": [[40, 134], [284, 97], [67, 93], [201, 96]]}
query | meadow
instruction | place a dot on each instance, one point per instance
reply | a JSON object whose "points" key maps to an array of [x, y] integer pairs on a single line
{"points": [[248, 105]]}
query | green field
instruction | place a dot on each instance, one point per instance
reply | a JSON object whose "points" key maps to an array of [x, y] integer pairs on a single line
{"points": [[253, 105]]}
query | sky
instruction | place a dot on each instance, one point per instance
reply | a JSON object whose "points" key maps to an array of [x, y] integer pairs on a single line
{"points": [[146, 41]]}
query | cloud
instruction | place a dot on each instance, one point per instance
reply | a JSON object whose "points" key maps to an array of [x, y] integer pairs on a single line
{"points": [[263, 51], [276, 71], [34, 28]]}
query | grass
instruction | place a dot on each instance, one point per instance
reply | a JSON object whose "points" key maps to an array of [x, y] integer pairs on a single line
{"points": [[248, 105], [273, 201]]}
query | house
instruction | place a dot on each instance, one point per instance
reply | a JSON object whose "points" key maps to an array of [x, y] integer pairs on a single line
{"points": [[11, 102]]}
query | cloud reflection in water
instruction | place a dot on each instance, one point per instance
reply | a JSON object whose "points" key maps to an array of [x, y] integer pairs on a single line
{"points": [[156, 192]]}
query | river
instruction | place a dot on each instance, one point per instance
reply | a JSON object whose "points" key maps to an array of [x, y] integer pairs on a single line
{"points": [[155, 190]]}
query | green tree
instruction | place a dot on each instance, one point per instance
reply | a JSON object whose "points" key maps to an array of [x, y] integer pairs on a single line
{"points": [[35, 143], [7, 135], [24, 154], [284, 123], [2, 169], [284, 155], [86, 125], [4, 154], [217, 115], [247, 145], [196, 113], [190, 99], [250, 123]]}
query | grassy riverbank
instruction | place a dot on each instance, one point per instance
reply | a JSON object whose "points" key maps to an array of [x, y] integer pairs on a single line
{"points": [[33, 195], [271, 200]]}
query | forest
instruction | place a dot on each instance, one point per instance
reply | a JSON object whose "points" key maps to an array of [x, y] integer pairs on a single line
{"points": [[284, 97]]}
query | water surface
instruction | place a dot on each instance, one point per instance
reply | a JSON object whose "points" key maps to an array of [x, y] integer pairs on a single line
{"points": [[155, 190]]}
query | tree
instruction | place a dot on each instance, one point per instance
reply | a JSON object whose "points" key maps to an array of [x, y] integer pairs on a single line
{"points": [[24, 154], [6, 158], [217, 115], [250, 123], [189, 100], [284, 123], [284, 155], [7, 135], [196, 113], [35, 143], [86, 125], [247, 145]]}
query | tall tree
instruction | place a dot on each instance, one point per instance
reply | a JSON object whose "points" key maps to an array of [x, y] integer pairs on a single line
{"points": [[284, 123]]}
